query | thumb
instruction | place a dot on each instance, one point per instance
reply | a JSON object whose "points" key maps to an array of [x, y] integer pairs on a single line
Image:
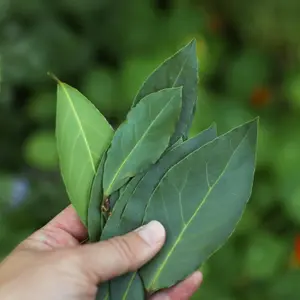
{"points": [[119, 255]]}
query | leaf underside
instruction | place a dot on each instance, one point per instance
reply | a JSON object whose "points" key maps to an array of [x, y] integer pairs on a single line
{"points": [[83, 135]]}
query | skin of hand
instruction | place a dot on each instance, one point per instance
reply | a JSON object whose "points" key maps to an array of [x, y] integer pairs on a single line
{"points": [[53, 263]]}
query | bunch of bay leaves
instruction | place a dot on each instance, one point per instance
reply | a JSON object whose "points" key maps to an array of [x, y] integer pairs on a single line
{"points": [[148, 169]]}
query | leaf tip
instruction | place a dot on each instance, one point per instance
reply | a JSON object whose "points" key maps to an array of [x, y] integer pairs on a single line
{"points": [[192, 45], [214, 126], [54, 77]]}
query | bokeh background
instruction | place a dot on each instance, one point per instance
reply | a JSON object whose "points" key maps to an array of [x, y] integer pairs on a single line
{"points": [[249, 53]]}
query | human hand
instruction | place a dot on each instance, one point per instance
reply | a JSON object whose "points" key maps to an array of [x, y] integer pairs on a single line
{"points": [[53, 264]]}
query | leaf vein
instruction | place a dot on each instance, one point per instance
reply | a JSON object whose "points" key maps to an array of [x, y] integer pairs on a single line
{"points": [[137, 144], [91, 161], [181, 70], [179, 238]]}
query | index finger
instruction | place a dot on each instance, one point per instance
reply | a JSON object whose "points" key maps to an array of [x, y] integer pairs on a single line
{"points": [[68, 221]]}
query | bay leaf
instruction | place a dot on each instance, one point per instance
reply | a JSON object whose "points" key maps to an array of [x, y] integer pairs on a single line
{"points": [[83, 135], [200, 201], [140, 141], [177, 143], [114, 198], [133, 214], [181, 69], [120, 290], [136, 195], [103, 291], [95, 222], [111, 227]]}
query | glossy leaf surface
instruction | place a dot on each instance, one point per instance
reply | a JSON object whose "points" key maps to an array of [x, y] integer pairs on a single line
{"points": [[181, 69], [141, 140], [199, 201], [83, 135]]}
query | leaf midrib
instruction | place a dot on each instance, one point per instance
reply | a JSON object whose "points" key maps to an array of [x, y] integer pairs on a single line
{"points": [[80, 127], [128, 287], [177, 146], [136, 145], [162, 265], [179, 73]]}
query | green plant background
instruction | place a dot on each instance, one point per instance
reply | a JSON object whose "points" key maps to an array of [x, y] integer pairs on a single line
{"points": [[249, 65]]}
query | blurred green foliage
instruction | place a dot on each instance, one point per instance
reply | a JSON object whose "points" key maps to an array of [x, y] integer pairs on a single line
{"points": [[249, 65]]}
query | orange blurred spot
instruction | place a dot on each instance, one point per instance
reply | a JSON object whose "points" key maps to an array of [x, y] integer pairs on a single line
{"points": [[215, 23], [260, 96], [295, 256], [297, 249]]}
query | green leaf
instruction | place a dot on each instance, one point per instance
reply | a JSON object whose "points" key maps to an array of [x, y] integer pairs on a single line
{"points": [[135, 209], [180, 141], [139, 191], [95, 220], [141, 186], [181, 69], [141, 140], [133, 291], [114, 198], [83, 135], [111, 227], [200, 201], [103, 291]]}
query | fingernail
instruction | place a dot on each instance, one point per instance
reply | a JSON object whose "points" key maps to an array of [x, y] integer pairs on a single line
{"points": [[197, 277], [161, 296], [153, 233]]}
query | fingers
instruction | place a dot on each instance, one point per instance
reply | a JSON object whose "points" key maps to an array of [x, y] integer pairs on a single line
{"points": [[182, 291], [65, 230], [122, 254], [69, 221]]}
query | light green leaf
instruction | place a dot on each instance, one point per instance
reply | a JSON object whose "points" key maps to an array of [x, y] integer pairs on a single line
{"points": [[210, 187], [181, 69], [83, 135], [141, 140]]}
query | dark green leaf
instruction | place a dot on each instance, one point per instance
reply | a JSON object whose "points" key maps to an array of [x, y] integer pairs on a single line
{"points": [[180, 140], [200, 201], [111, 227], [140, 141], [95, 217], [139, 191], [134, 211], [120, 290], [103, 291], [114, 198], [179, 70], [83, 135]]}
